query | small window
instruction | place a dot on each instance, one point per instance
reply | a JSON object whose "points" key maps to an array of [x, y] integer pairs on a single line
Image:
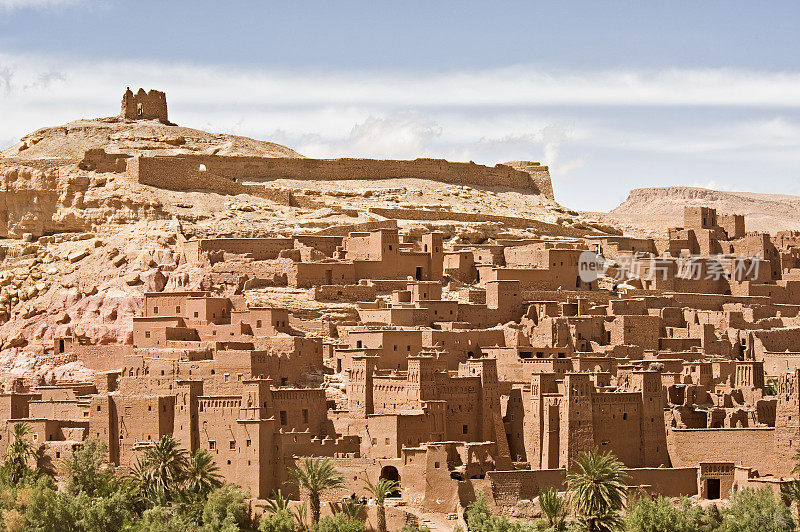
{"points": [[387, 441], [258, 324], [147, 334], [248, 443], [212, 444], [305, 415], [196, 314], [177, 309], [155, 310], [227, 377], [464, 429], [436, 465], [283, 417], [232, 444]]}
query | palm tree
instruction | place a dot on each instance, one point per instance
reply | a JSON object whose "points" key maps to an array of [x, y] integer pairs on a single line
{"points": [[316, 476], [161, 471], [380, 491], [276, 503], [137, 483], [201, 476], [597, 490], [553, 508], [18, 453]]}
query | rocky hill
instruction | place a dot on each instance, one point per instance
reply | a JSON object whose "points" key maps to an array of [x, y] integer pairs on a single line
{"points": [[134, 137], [653, 210]]}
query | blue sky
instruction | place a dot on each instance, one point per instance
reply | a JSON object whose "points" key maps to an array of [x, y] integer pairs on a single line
{"points": [[612, 95]]}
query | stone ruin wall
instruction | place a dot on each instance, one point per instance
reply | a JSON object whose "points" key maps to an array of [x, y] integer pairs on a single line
{"points": [[189, 171], [144, 105]]}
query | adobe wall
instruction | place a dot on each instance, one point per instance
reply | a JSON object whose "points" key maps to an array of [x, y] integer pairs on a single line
{"points": [[182, 172], [102, 357], [173, 173], [669, 482], [338, 292], [780, 363], [258, 248], [509, 487], [749, 447]]}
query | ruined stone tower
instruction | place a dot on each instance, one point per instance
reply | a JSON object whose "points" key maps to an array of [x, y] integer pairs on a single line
{"points": [[143, 105]]}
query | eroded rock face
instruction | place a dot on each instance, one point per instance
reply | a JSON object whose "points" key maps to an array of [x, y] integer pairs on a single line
{"points": [[28, 200], [41, 201]]}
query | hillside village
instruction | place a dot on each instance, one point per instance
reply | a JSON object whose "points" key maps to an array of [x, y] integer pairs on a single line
{"points": [[448, 346]]}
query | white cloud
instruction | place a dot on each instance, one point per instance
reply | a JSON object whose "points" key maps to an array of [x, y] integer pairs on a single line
{"points": [[773, 139], [511, 86], [400, 135]]}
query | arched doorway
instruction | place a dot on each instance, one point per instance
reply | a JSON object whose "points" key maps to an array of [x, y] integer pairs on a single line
{"points": [[391, 473]]}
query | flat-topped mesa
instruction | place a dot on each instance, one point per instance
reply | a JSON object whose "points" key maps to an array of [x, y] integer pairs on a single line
{"points": [[143, 105]]}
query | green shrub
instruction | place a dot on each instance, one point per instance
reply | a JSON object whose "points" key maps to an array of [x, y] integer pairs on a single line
{"points": [[339, 523], [661, 515], [280, 521], [751, 510]]}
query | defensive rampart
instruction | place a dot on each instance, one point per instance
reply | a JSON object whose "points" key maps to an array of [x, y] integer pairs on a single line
{"points": [[183, 172]]}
